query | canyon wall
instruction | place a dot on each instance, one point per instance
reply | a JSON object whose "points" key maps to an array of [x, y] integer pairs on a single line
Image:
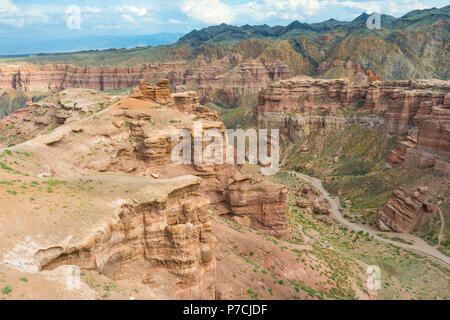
{"points": [[224, 80], [415, 108], [405, 103], [263, 203], [49, 77], [417, 112]]}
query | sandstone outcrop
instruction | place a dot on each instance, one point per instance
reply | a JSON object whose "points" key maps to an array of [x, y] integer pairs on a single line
{"points": [[51, 112], [434, 131], [307, 96], [398, 154], [245, 196], [405, 103], [157, 233], [159, 93], [321, 208], [45, 77], [247, 78], [135, 136], [264, 203], [404, 212]]}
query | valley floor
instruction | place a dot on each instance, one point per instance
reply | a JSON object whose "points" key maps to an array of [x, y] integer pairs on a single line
{"points": [[417, 244], [320, 260]]}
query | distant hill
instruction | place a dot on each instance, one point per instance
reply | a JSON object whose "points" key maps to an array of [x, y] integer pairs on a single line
{"points": [[413, 46], [226, 32], [25, 46]]}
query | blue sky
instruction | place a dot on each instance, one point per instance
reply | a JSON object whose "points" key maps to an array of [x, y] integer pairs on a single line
{"points": [[48, 19]]}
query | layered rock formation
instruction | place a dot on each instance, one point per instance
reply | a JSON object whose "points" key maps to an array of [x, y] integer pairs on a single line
{"points": [[158, 240], [46, 77], [159, 93], [157, 233], [434, 131], [415, 108], [136, 135], [246, 78], [307, 95], [405, 103], [49, 113], [224, 80], [152, 216], [433, 138], [262, 202], [404, 212], [265, 213], [398, 154]]}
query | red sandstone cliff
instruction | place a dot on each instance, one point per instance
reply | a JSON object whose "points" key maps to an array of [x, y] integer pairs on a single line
{"points": [[224, 80], [419, 108]]}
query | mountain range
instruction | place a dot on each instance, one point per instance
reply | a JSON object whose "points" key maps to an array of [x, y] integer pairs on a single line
{"points": [[415, 45]]}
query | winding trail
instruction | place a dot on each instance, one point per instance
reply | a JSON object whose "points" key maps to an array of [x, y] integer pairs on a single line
{"points": [[418, 245], [442, 225]]}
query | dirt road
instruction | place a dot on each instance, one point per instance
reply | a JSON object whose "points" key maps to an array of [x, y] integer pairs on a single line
{"points": [[418, 245]]}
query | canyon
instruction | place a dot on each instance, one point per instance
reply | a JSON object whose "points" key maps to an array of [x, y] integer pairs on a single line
{"points": [[155, 229], [166, 244], [415, 110], [95, 207], [224, 80]]}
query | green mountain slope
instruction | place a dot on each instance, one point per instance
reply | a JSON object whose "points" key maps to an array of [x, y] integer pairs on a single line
{"points": [[415, 45]]}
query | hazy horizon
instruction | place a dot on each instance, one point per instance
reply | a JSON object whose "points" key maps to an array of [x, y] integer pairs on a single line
{"points": [[30, 27]]}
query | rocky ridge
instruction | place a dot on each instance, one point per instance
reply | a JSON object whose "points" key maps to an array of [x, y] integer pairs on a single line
{"points": [[129, 135], [157, 231], [416, 112], [417, 109]]}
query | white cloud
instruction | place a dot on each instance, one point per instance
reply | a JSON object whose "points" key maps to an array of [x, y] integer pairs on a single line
{"points": [[256, 11], [92, 9], [366, 6], [12, 15], [383, 6], [8, 8], [269, 10], [309, 6], [128, 18], [138, 11], [183, 14], [17, 23], [131, 10], [266, 10], [208, 11]]}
